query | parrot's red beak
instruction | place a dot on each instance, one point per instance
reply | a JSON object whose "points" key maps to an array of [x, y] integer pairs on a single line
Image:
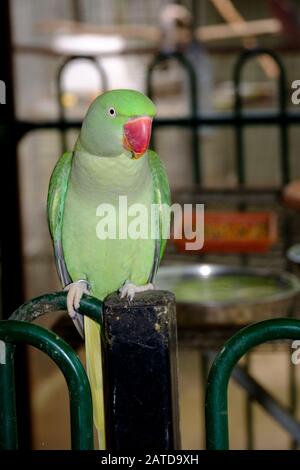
{"points": [[137, 133]]}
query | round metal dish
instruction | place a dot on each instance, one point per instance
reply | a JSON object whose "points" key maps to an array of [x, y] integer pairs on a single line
{"points": [[293, 254], [236, 308]]}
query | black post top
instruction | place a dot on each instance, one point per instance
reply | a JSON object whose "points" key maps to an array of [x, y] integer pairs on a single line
{"points": [[140, 361]]}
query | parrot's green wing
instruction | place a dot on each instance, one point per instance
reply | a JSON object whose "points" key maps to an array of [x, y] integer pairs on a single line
{"points": [[55, 206], [162, 198]]}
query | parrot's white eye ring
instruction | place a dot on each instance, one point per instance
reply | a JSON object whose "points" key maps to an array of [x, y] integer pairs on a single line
{"points": [[111, 112]]}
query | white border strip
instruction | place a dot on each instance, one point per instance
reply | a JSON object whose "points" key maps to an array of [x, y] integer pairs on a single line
{"points": [[2, 353]]}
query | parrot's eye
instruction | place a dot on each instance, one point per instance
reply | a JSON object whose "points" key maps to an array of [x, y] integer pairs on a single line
{"points": [[112, 112]]}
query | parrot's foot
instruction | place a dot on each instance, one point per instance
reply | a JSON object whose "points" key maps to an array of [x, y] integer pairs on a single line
{"points": [[75, 292], [129, 289]]}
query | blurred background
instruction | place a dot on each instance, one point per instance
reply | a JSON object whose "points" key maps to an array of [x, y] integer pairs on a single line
{"points": [[228, 132]]}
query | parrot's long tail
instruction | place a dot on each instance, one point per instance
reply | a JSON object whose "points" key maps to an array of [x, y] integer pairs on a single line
{"points": [[93, 353]]}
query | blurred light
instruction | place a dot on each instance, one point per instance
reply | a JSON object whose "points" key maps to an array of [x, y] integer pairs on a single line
{"points": [[81, 77], [205, 270], [87, 43]]}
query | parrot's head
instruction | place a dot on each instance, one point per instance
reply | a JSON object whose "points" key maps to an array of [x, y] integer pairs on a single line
{"points": [[118, 121]]}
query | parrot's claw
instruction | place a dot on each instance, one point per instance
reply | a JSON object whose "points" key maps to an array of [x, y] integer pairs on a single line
{"points": [[75, 292], [129, 289]]}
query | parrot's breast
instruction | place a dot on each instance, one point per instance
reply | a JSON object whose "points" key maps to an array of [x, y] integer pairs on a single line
{"points": [[96, 185]]}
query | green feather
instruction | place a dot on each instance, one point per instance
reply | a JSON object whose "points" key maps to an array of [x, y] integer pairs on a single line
{"points": [[161, 195], [58, 187]]}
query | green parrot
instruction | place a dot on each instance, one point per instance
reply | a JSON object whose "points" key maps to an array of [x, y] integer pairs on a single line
{"points": [[110, 159]]}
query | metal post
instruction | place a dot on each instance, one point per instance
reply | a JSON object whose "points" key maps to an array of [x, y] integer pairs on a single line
{"points": [[140, 359], [8, 413]]}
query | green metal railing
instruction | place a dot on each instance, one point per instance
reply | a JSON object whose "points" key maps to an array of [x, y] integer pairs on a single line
{"points": [[18, 330], [216, 406]]}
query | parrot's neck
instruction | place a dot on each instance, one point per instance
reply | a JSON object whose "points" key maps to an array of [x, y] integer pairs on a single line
{"points": [[115, 176]]}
